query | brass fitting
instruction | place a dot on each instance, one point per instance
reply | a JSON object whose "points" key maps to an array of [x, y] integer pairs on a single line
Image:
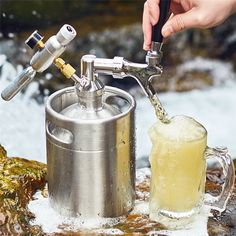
{"points": [[40, 44], [66, 69]]}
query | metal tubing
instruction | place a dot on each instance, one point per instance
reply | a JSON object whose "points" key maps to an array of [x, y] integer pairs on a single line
{"points": [[25, 77]]}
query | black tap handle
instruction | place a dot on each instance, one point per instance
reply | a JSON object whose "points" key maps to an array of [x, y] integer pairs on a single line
{"points": [[156, 29]]}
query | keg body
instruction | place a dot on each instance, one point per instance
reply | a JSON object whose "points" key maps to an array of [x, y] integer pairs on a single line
{"points": [[91, 154]]}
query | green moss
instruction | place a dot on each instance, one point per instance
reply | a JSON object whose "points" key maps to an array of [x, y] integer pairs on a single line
{"points": [[3, 152], [19, 180]]}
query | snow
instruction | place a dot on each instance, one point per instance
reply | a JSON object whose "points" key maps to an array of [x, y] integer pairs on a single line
{"points": [[22, 119]]}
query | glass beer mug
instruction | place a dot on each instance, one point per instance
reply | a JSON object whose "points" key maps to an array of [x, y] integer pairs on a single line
{"points": [[178, 171]]}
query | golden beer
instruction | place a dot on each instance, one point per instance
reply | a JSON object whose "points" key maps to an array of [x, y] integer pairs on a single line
{"points": [[178, 166]]}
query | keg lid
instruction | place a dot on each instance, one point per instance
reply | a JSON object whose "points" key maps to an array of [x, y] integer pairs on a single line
{"points": [[95, 106], [115, 103], [93, 102]]}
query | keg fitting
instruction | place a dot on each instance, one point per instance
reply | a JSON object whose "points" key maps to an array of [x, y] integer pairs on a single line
{"points": [[89, 91], [47, 54]]}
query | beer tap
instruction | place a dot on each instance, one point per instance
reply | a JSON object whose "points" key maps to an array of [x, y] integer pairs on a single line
{"points": [[118, 67]]}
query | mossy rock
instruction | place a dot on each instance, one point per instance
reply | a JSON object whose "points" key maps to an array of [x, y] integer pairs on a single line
{"points": [[19, 180], [3, 152]]}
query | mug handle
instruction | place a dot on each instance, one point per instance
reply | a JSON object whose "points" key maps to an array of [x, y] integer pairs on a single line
{"points": [[222, 156]]}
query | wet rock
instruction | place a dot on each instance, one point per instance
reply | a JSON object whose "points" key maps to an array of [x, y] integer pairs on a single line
{"points": [[91, 15], [225, 224], [2, 219], [3, 152], [19, 180], [193, 80]]}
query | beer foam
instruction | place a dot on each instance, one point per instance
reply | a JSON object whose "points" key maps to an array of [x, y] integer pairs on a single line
{"points": [[180, 128]]}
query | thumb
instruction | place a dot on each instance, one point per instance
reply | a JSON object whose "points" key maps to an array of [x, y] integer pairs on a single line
{"points": [[180, 22]]}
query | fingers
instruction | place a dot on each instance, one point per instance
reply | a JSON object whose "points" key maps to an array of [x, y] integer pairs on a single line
{"points": [[180, 22], [154, 10], [150, 17], [176, 8], [147, 28], [187, 14]]}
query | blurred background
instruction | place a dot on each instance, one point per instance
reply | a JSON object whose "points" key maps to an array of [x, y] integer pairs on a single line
{"points": [[199, 77]]}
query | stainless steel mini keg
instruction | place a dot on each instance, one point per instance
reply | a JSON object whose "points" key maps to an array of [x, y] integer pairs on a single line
{"points": [[89, 127], [91, 148]]}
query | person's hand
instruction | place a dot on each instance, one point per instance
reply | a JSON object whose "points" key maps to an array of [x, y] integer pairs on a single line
{"points": [[185, 14]]}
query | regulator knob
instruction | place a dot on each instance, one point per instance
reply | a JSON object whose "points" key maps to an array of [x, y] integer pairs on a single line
{"points": [[34, 39]]}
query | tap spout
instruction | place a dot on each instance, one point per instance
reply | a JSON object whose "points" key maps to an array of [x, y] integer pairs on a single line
{"points": [[119, 68], [143, 73]]}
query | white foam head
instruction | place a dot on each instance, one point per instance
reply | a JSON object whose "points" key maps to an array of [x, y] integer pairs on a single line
{"points": [[180, 128]]}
